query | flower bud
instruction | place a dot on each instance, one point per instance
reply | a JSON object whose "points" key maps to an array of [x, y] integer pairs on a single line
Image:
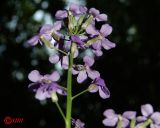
{"points": [[54, 97], [73, 48], [87, 22]]}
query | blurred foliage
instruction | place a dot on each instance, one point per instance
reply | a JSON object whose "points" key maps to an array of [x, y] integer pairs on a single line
{"points": [[131, 70]]}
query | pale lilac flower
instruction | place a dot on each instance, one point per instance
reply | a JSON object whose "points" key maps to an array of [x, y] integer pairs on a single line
{"points": [[45, 31], [97, 15], [85, 71], [99, 85], [77, 123], [148, 113], [105, 30], [75, 10], [45, 85], [112, 118]]}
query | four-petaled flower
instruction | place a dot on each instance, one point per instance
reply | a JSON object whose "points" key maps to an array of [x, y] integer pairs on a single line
{"points": [[77, 123], [45, 32], [85, 71], [45, 85], [99, 85], [148, 113], [105, 30], [112, 118]]}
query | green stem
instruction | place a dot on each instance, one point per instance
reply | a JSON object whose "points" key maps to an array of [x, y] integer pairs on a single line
{"points": [[69, 90], [146, 123], [133, 123], [60, 110], [75, 96], [119, 125]]}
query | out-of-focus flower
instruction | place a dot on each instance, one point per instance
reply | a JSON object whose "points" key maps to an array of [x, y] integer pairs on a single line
{"points": [[46, 85], [97, 15], [148, 113], [77, 123], [45, 32], [112, 119]]}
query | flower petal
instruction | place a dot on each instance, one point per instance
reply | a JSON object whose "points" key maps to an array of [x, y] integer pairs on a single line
{"points": [[94, 11], [101, 17], [33, 41], [104, 92], [41, 94], [65, 62], [146, 110], [97, 45], [106, 30], [54, 59], [81, 76], [91, 30], [141, 118], [125, 122], [107, 44], [74, 72], [54, 76], [156, 117], [89, 61], [57, 25], [110, 122], [46, 28], [74, 8], [97, 52], [154, 126], [93, 74], [83, 9], [109, 113], [34, 76], [129, 114], [61, 14]]}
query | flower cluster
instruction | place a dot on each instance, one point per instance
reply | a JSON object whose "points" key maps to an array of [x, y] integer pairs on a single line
{"points": [[74, 29], [129, 119]]}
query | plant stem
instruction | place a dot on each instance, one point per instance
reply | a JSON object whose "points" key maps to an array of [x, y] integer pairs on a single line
{"points": [[119, 125], [133, 123], [75, 96], [69, 90], [60, 110]]}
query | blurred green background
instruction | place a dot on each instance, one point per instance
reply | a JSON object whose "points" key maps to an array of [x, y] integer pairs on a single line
{"points": [[131, 70]]}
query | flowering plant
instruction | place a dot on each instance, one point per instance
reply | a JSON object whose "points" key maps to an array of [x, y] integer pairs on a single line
{"points": [[75, 31]]}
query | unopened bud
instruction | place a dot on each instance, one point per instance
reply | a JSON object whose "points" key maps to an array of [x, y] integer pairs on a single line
{"points": [[54, 97], [73, 48], [87, 22]]}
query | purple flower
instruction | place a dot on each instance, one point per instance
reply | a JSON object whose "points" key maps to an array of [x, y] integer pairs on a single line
{"points": [[112, 118], [99, 85], [105, 30], [77, 123], [97, 15], [45, 31], [84, 71], [75, 10], [45, 85], [148, 113]]}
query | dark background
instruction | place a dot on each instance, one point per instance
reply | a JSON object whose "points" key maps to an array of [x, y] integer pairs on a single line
{"points": [[131, 70]]}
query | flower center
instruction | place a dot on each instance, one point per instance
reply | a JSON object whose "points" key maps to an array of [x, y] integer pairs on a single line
{"points": [[80, 67], [46, 81]]}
